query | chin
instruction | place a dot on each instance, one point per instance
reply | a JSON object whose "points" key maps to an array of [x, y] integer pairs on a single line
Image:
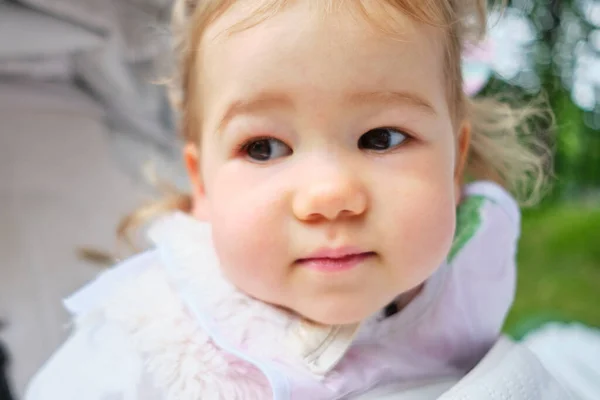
{"points": [[336, 320], [343, 314]]}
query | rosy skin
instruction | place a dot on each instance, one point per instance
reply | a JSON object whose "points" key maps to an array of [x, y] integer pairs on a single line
{"points": [[296, 167]]}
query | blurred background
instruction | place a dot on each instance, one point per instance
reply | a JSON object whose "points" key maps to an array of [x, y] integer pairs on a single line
{"points": [[553, 47], [82, 125]]}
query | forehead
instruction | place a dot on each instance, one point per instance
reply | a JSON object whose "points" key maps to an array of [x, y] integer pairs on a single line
{"points": [[391, 17], [304, 45]]}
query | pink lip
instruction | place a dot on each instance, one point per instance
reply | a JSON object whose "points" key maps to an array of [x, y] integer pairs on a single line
{"points": [[332, 260]]}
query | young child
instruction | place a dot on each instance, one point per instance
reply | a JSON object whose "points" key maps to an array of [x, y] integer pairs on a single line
{"points": [[330, 245]]}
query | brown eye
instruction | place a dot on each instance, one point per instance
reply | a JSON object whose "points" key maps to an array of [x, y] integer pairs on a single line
{"points": [[381, 139], [266, 149]]}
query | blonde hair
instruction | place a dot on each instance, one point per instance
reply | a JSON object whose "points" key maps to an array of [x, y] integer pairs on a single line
{"points": [[504, 146]]}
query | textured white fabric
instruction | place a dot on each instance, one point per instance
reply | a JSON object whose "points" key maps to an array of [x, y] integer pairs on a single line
{"points": [[114, 372], [571, 353], [112, 369], [509, 371]]}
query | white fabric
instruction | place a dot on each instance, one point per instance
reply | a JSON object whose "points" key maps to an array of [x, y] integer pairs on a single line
{"points": [[112, 367], [571, 353], [508, 371], [113, 371]]}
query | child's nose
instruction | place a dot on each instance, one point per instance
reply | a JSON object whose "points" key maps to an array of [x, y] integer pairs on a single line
{"points": [[330, 196]]}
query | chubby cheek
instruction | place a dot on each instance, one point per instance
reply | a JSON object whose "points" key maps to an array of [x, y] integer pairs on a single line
{"points": [[425, 218], [249, 233]]}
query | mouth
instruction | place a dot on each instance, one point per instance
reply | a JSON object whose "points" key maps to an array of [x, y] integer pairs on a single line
{"points": [[334, 260]]}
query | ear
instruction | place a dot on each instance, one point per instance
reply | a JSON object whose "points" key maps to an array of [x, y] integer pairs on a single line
{"points": [[462, 151], [191, 158]]}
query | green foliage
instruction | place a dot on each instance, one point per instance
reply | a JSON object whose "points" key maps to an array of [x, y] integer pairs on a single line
{"points": [[576, 143], [558, 267]]}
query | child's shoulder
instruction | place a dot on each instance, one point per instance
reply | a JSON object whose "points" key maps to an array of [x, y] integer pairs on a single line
{"points": [[132, 335], [495, 195], [124, 276], [488, 217], [138, 298], [80, 367]]}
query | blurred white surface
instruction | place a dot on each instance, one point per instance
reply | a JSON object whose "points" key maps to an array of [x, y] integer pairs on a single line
{"points": [[570, 352]]}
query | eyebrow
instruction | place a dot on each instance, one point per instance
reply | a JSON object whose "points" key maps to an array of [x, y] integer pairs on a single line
{"points": [[261, 102], [393, 98], [265, 101]]}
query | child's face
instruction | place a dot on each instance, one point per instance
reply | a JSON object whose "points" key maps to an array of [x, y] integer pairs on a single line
{"points": [[324, 135]]}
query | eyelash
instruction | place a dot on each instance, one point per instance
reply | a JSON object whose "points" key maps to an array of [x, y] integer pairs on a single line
{"points": [[242, 148]]}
